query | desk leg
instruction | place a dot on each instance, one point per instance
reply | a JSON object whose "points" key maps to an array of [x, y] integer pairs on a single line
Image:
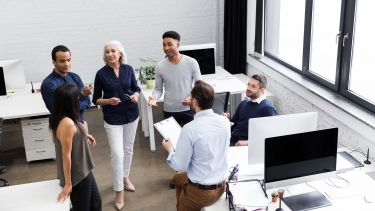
{"points": [[151, 128], [144, 115]]}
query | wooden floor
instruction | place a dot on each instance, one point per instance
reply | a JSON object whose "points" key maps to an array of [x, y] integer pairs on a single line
{"points": [[149, 172]]}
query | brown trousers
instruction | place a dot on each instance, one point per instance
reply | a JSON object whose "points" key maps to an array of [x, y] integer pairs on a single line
{"points": [[190, 198]]}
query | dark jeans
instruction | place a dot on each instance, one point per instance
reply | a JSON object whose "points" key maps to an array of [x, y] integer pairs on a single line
{"points": [[182, 117], [233, 141], [85, 195]]}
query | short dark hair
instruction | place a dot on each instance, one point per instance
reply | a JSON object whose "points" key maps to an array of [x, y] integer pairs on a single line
{"points": [[58, 48], [204, 94], [172, 34], [262, 80]]}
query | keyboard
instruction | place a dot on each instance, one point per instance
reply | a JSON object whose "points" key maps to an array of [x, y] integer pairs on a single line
{"points": [[351, 159]]}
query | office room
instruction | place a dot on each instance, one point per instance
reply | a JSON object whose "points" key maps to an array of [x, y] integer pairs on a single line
{"points": [[324, 72]]}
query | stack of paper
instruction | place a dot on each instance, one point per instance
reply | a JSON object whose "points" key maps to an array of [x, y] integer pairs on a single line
{"points": [[169, 129], [248, 195]]}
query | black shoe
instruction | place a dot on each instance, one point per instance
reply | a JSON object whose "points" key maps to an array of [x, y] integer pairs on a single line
{"points": [[172, 184]]}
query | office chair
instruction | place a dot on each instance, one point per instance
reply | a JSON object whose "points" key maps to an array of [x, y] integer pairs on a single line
{"points": [[4, 181], [1, 130], [2, 168], [221, 102]]}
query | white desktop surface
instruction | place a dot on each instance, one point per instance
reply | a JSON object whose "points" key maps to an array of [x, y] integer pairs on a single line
{"points": [[23, 103], [345, 201], [37, 196], [222, 81], [350, 198]]}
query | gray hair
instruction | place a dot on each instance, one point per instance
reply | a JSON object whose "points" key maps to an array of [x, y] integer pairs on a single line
{"points": [[120, 48]]}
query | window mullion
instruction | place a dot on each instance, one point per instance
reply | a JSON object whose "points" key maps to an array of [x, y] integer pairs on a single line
{"points": [[307, 37]]}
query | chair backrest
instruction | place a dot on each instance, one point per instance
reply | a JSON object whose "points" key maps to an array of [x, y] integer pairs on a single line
{"points": [[2, 168], [4, 181], [1, 131], [221, 102]]}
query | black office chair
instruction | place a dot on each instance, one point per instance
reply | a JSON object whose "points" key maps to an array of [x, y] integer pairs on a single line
{"points": [[2, 168], [221, 102], [4, 181], [227, 94]]}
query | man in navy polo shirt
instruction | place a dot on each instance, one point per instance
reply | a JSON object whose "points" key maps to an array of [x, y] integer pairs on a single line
{"points": [[255, 105], [60, 75]]}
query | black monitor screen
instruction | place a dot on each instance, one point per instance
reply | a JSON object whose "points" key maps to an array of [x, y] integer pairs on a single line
{"points": [[205, 58], [298, 155], [3, 90]]}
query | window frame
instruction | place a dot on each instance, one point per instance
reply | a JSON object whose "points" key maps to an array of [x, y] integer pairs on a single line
{"points": [[344, 53]]}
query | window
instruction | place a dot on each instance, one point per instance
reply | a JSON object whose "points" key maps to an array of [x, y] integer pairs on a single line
{"points": [[327, 41], [288, 45], [362, 73], [323, 46]]}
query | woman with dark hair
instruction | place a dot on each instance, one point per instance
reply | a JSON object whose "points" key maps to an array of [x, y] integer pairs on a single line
{"points": [[73, 156]]}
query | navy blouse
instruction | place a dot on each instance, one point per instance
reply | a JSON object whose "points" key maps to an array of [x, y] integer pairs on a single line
{"points": [[108, 85]]}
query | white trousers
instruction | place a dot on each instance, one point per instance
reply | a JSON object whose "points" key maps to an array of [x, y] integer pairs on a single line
{"points": [[121, 141]]}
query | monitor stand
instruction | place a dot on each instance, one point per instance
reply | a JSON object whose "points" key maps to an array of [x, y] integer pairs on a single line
{"points": [[306, 201]]}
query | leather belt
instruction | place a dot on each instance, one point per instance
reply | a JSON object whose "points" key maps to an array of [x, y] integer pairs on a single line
{"points": [[207, 187]]}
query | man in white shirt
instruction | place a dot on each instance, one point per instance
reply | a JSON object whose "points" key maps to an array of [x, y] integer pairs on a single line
{"points": [[201, 153]]}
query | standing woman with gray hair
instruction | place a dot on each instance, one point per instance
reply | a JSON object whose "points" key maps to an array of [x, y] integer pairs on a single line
{"points": [[116, 90]]}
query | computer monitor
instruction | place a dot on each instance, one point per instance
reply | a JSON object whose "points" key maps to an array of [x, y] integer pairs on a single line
{"points": [[264, 127], [14, 75], [301, 157], [204, 54], [3, 91]]}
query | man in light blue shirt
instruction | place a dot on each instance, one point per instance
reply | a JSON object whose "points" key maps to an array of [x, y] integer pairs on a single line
{"points": [[201, 153]]}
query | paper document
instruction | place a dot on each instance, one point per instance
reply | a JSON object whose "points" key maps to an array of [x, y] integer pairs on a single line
{"points": [[169, 129], [248, 194]]}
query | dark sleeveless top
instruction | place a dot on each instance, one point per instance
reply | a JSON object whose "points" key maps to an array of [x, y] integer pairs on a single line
{"points": [[81, 160]]}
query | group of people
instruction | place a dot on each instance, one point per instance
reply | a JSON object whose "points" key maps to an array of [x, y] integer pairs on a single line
{"points": [[200, 156], [117, 92]]}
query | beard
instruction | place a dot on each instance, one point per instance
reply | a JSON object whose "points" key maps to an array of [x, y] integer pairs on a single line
{"points": [[252, 96]]}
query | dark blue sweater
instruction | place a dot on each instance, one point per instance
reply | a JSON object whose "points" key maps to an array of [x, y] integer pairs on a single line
{"points": [[246, 110], [107, 85]]}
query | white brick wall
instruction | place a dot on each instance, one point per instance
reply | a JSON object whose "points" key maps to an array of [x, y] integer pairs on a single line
{"points": [[31, 28]]}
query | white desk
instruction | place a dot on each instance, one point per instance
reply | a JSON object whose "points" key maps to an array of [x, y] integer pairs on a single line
{"points": [[350, 198], [35, 132], [37, 196], [22, 105], [222, 81]]}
